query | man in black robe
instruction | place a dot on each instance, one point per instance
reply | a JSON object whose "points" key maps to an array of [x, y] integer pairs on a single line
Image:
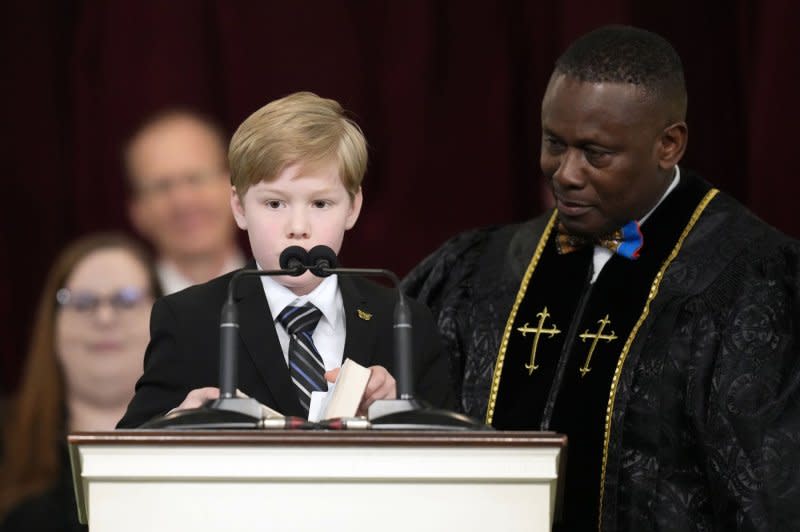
{"points": [[649, 317]]}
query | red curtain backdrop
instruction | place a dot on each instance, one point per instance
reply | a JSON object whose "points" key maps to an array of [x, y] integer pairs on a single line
{"points": [[447, 92]]}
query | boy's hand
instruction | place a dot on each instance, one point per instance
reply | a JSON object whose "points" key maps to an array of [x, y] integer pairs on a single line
{"points": [[332, 375], [197, 398], [381, 385]]}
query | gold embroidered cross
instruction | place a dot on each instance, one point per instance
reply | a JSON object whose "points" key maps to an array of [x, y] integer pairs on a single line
{"points": [[538, 330], [595, 338]]}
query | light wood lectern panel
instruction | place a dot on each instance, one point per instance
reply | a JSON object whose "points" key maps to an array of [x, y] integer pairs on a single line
{"points": [[316, 480]]}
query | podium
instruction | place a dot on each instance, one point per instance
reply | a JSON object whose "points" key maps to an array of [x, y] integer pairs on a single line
{"points": [[346, 480]]}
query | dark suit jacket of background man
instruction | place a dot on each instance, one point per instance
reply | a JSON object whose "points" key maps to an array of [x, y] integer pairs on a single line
{"points": [[183, 353]]}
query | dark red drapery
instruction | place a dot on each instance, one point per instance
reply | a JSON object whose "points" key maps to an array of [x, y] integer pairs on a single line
{"points": [[448, 94]]}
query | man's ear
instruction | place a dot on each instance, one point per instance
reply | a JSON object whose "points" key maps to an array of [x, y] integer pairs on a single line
{"points": [[238, 209], [672, 145], [355, 209]]}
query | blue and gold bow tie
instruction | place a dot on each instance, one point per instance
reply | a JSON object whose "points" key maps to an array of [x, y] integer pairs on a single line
{"points": [[626, 241]]}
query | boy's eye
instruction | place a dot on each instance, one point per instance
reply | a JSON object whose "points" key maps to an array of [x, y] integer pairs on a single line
{"points": [[273, 204], [320, 204]]}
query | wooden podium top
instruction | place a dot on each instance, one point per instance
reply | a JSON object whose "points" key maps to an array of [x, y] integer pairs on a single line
{"points": [[349, 437]]}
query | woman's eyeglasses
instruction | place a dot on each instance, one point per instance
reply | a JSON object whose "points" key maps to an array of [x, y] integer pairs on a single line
{"points": [[88, 302]]}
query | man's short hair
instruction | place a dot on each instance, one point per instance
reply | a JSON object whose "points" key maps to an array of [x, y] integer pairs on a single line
{"points": [[624, 54], [165, 116], [300, 128]]}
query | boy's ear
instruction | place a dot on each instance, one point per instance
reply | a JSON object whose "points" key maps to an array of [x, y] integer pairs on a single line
{"points": [[355, 209], [238, 210]]}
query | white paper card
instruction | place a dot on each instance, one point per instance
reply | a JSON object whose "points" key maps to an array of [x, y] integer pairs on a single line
{"points": [[346, 395], [319, 401]]}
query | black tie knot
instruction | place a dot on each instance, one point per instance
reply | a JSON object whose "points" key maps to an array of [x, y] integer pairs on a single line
{"points": [[299, 319]]}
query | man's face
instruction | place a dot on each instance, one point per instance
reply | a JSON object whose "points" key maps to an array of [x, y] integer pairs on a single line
{"points": [[600, 152], [181, 189], [303, 206]]}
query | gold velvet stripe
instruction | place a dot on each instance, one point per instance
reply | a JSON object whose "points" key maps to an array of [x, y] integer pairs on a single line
{"points": [[498, 366]]}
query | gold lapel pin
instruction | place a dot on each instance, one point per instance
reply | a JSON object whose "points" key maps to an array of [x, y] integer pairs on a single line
{"points": [[366, 316]]}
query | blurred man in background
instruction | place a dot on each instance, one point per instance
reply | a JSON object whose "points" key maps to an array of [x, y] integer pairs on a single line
{"points": [[180, 197]]}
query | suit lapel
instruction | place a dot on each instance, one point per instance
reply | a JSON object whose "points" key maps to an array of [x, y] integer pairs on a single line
{"points": [[360, 323], [261, 344]]}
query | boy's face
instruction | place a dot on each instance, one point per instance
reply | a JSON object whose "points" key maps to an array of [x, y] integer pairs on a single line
{"points": [[304, 206]]}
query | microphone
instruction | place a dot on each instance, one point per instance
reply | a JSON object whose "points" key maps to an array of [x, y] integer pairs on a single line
{"points": [[321, 258], [293, 258], [406, 411], [230, 411]]}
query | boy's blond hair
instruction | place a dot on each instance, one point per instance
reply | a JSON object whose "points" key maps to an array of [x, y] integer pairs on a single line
{"points": [[299, 128]]}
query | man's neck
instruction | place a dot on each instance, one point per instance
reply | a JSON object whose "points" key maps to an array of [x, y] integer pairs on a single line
{"points": [[671, 183], [199, 269]]}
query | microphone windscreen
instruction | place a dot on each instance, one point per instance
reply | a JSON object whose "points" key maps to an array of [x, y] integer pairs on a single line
{"points": [[321, 257], [294, 258]]}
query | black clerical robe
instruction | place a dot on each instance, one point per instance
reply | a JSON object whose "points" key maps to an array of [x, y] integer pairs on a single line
{"points": [[689, 419]]}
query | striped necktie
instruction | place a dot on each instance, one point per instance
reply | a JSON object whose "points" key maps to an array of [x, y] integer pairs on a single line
{"points": [[305, 363]]}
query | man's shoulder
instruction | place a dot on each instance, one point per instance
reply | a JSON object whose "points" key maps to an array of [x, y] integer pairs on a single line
{"points": [[725, 215], [493, 252], [501, 236], [729, 246], [209, 295], [485, 242]]}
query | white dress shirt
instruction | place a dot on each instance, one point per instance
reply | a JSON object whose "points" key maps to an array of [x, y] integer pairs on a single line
{"points": [[602, 254], [172, 280], [329, 336]]}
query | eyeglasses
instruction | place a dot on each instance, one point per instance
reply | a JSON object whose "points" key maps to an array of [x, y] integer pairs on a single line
{"points": [[86, 302], [162, 187]]}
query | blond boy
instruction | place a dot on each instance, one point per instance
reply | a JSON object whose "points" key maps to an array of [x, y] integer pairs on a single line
{"points": [[296, 171]]}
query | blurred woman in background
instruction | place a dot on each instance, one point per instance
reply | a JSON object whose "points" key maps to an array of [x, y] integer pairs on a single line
{"points": [[86, 352]]}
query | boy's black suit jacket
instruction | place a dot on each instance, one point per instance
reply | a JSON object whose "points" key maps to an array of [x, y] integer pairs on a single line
{"points": [[183, 353]]}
